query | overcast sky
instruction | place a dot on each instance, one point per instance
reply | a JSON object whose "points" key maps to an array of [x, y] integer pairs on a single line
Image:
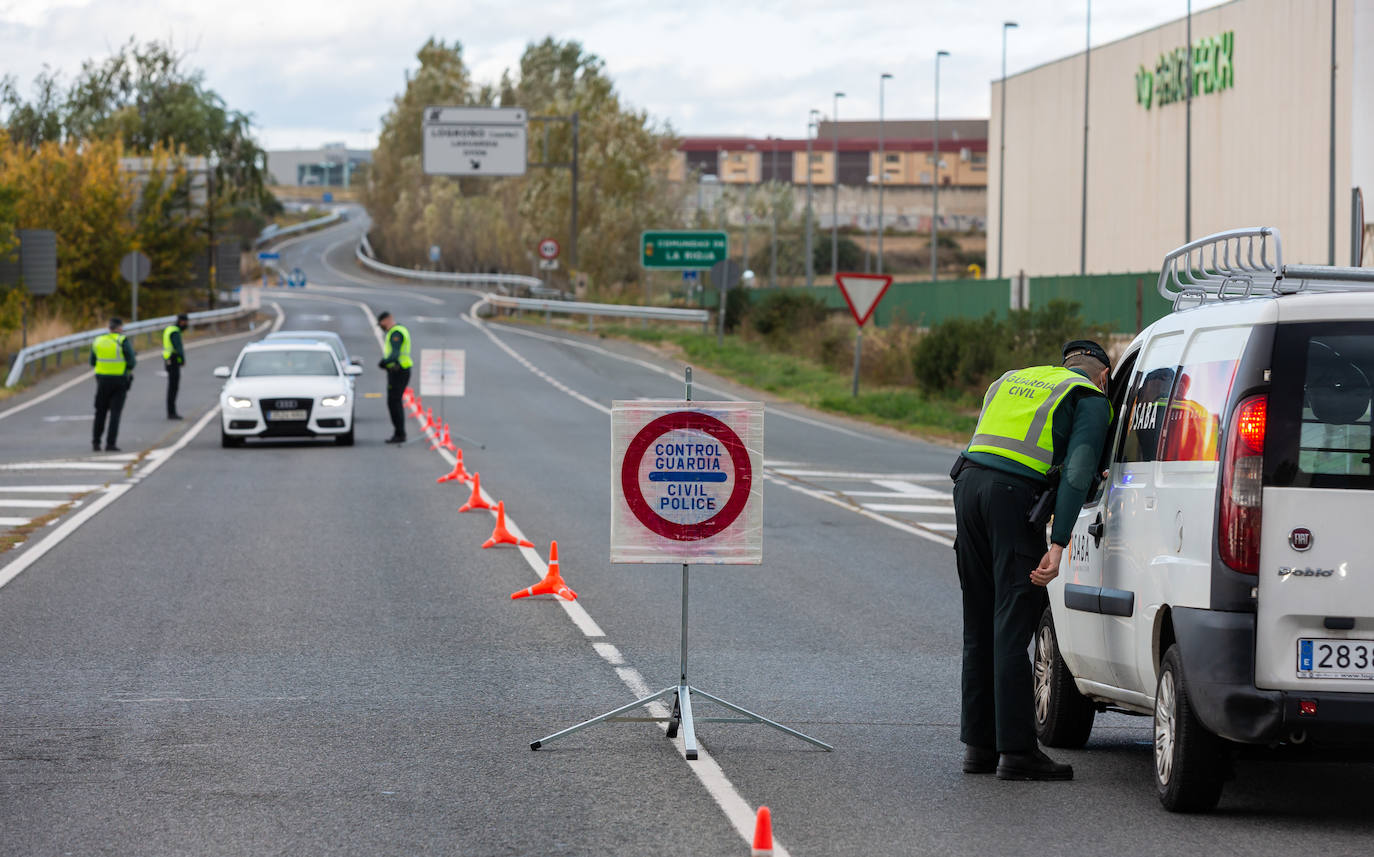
{"points": [[311, 71]]}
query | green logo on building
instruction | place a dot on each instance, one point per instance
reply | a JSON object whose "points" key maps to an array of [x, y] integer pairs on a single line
{"points": [[1213, 71]]}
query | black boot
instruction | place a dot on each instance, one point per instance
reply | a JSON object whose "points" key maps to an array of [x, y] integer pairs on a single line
{"points": [[979, 760], [1034, 765]]}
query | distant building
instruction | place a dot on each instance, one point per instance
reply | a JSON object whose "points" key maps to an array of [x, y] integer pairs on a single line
{"points": [[332, 165]]}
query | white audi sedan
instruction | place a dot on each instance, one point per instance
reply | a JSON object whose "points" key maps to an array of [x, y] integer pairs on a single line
{"points": [[286, 388]]}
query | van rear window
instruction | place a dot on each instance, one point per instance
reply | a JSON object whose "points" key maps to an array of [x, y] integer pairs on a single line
{"points": [[1320, 406]]}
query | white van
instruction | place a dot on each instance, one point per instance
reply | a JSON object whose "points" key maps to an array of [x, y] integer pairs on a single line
{"points": [[1221, 579]]}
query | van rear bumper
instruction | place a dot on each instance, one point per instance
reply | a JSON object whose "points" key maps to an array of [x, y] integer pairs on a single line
{"points": [[1218, 649]]}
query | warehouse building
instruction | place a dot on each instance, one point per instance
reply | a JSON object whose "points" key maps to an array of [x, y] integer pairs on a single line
{"points": [[1279, 131]]}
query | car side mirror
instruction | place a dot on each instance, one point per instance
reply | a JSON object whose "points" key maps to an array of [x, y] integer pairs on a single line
{"points": [[221, 371], [353, 370], [356, 361]]}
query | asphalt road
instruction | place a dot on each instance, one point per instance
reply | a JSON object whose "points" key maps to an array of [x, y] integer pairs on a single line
{"points": [[299, 648]]}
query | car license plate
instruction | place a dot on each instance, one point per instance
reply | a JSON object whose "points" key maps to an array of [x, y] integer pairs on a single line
{"points": [[1326, 658], [286, 415]]}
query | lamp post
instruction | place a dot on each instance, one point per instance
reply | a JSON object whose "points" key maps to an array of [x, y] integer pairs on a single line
{"points": [[882, 167], [1087, 72], [812, 120], [773, 185], [935, 180], [835, 199], [1002, 147]]}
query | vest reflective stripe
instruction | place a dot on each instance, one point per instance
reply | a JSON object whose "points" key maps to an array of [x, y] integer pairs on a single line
{"points": [[1018, 414], [109, 354], [404, 360], [167, 349]]}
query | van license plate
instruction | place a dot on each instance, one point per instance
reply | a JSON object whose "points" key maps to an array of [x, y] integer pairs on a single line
{"points": [[285, 415], [1325, 658]]}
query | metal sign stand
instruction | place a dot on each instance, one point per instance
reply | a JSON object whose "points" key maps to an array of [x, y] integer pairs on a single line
{"points": [[682, 695]]}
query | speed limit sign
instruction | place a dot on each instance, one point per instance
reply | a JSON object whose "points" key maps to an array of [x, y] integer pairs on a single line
{"points": [[548, 249]]}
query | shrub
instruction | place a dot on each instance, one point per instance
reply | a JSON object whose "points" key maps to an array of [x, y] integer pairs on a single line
{"points": [[737, 302], [787, 311]]}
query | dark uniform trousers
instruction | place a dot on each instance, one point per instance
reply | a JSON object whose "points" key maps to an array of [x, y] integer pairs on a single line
{"points": [[173, 384], [396, 382], [110, 391], [997, 548]]}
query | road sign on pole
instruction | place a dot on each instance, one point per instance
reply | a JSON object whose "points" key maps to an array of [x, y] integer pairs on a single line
{"points": [[862, 292], [686, 491], [443, 372], [474, 141], [682, 249], [549, 248], [135, 267]]}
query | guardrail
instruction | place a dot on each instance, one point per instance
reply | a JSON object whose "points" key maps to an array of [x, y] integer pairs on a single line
{"points": [[303, 226], [442, 277], [590, 310], [79, 341], [594, 310]]}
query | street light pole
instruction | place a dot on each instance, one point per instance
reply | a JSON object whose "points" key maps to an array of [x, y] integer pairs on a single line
{"points": [[1087, 72], [835, 198], [882, 167], [773, 186], [811, 125], [1002, 147], [935, 182]]}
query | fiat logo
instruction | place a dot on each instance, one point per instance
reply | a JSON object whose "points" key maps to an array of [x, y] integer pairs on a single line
{"points": [[1300, 539]]}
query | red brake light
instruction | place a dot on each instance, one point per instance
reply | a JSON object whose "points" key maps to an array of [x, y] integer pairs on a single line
{"points": [[1251, 417], [1242, 486]]}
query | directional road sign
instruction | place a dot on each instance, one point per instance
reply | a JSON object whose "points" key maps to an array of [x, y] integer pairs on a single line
{"points": [[680, 250], [687, 491], [474, 141], [548, 248], [443, 372], [862, 292], [265, 256]]}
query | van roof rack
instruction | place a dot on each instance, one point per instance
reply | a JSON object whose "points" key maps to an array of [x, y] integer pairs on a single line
{"points": [[1247, 263]]}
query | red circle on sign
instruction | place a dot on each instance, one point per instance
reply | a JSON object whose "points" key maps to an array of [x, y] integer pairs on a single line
{"points": [[739, 457], [548, 248]]}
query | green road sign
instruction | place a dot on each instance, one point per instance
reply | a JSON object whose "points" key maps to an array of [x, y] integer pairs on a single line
{"points": [[682, 250]]}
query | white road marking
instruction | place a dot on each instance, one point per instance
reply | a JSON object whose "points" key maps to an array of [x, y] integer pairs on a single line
{"points": [[31, 504], [898, 507], [50, 489], [864, 477], [902, 488], [74, 418], [62, 465], [867, 513], [947, 528], [14, 522], [610, 653]]}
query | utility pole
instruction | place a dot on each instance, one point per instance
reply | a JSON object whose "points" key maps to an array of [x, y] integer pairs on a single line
{"points": [[1002, 147], [1087, 71], [835, 199], [935, 183], [882, 167], [811, 126]]}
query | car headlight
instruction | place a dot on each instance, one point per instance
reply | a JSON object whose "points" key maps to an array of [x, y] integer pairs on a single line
{"points": [[333, 401], [236, 402]]}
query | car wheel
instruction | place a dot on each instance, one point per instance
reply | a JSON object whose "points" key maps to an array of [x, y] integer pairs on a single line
{"points": [[345, 439], [228, 440], [1190, 762], [1063, 716]]}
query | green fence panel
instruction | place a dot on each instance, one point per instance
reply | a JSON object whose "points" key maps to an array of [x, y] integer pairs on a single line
{"points": [[1125, 303]]}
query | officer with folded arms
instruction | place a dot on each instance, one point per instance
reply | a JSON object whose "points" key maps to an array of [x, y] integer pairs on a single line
{"points": [[173, 358], [113, 359], [1041, 428]]}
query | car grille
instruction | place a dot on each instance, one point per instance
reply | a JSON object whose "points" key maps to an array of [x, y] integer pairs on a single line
{"points": [[284, 404]]}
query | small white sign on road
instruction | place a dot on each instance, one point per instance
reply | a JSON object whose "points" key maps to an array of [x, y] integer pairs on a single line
{"points": [[443, 372], [548, 264], [688, 486], [250, 297], [474, 141]]}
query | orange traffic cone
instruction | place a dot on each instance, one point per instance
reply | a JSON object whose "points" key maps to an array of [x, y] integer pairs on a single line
{"points": [[763, 834], [475, 501], [448, 441], [502, 536], [457, 473], [552, 584], [429, 418], [441, 438], [414, 405]]}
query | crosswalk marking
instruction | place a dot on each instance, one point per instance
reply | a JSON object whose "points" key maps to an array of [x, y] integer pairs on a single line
{"points": [[927, 507], [49, 489], [869, 477], [63, 465], [916, 510], [14, 522], [32, 504]]}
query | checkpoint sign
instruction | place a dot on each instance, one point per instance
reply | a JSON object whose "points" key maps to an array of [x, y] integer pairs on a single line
{"points": [[688, 482]]}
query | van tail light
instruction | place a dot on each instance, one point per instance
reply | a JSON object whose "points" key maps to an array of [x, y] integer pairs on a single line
{"points": [[1242, 473]]}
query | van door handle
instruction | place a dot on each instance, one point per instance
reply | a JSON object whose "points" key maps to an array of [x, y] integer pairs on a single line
{"points": [[1095, 530]]}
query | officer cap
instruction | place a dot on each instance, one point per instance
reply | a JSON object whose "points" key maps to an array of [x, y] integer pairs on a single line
{"points": [[116, 321], [383, 316], [1088, 348], [181, 316]]}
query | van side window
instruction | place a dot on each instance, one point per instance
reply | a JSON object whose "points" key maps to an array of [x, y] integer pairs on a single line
{"points": [[1146, 416], [1192, 429]]}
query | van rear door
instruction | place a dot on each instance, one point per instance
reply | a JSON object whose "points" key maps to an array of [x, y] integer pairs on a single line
{"points": [[1315, 574]]}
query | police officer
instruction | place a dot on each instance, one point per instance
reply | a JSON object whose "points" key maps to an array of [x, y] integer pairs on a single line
{"points": [[396, 361], [1033, 420], [173, 358], [113, 359]]}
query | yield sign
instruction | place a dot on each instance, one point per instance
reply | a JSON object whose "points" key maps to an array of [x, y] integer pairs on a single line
{"points": [[862, 292]]}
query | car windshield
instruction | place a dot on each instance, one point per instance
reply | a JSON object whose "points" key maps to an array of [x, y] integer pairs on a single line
{"points": [[335, 344], [256, 364]]}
